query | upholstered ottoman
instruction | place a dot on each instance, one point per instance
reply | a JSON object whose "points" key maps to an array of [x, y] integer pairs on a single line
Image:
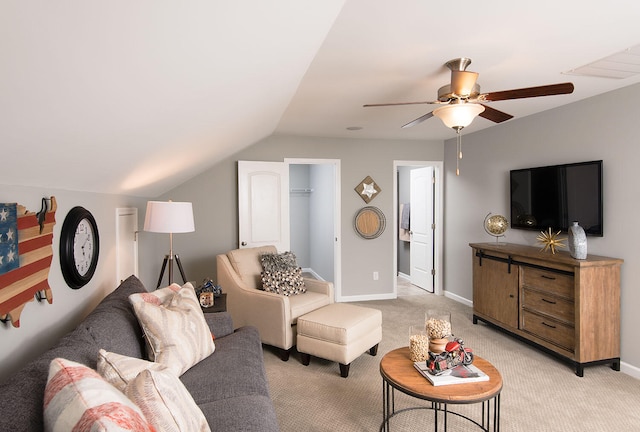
{"points": [[339, 332]]}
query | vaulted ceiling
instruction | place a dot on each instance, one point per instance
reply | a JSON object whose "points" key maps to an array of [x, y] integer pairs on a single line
{"points": [[135, 97]]}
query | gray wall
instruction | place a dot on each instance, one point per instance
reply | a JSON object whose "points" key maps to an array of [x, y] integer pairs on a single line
{"points": [[42, 324], [597, 128], [214, 197]]}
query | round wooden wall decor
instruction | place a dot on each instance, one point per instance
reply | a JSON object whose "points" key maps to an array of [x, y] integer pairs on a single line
{"points": [[369, 222]]}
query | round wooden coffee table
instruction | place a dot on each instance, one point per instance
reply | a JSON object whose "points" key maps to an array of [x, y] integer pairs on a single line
{"points": [[398, 373]]}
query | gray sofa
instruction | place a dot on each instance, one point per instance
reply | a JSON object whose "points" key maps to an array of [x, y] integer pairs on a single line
{"points": [[229, 386]]}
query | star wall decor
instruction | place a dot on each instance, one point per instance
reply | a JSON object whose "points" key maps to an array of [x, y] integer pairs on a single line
{"points": [[367, 189]]}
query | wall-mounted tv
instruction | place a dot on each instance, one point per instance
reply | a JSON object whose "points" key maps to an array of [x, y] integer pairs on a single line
{"points": [[555, 196]]}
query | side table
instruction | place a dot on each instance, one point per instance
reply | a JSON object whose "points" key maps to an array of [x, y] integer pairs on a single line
{"points": [[398, 373], [219, 304]]}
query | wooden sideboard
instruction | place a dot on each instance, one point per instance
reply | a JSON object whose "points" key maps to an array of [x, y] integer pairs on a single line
{"points": [[568, 307]]}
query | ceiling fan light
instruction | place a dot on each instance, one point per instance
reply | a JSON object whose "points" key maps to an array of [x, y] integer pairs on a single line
{"points": [[458, 116]]}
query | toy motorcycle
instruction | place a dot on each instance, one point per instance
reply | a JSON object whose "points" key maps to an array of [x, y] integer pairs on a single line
{"points": [[454, 354], [208, 286]]}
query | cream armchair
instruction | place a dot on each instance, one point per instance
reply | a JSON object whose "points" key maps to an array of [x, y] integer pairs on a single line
{"points": [[274, 315]]}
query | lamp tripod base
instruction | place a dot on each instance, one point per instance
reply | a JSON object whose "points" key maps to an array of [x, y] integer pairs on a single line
{"points": [[169, 259]]}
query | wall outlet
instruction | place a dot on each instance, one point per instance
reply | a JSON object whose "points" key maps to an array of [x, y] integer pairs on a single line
{"points": [[375, 275]]}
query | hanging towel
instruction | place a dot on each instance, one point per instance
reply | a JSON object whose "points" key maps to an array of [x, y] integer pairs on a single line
{"points": [[405, 216], [403, 233]]}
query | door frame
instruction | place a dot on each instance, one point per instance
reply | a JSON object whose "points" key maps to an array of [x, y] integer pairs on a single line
{"points": [[438, 167], [337, 211], [131, 212]]}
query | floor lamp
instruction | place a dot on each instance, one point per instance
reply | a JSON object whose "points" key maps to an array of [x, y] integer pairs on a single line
{"points": [[169, 217]]}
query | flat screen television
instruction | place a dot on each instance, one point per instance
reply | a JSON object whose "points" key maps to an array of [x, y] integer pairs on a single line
{"points": [[556, 196]]}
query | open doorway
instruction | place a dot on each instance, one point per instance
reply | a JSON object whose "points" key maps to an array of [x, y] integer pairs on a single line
{"points": [[314, 202], [418, 249], [126, 243]]}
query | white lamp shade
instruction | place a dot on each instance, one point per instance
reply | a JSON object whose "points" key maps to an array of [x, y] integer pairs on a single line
{"points": [[169, 217], [458, 115]]}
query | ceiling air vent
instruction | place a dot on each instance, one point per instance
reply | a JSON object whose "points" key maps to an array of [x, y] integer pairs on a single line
{"points": [[620, 65]]}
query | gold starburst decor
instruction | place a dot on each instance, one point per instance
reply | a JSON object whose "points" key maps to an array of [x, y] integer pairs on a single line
{"points": [[550, 241]]}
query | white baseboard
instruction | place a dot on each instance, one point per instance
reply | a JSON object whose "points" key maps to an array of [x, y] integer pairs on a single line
{"points": [[630, 369], [404, 276], [314, 274], [459, 299], [625, 368], [368, 297]]}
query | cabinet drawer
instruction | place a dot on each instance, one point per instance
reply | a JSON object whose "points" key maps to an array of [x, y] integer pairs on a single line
{"points": [[552, 282], [550, 305], [548, 329]]}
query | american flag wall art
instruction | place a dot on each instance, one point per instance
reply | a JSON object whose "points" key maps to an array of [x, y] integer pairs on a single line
{"points": [[25, 257]]}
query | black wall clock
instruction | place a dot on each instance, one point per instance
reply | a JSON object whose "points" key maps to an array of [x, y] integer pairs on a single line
{"points": [[79, 247]]}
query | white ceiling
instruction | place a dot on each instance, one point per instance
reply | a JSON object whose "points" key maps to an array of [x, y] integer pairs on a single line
{"points": [[140, 96]]}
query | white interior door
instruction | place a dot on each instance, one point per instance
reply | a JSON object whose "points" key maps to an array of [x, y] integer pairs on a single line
{"points": [[126, 243], [421, 226], [263, 204]]}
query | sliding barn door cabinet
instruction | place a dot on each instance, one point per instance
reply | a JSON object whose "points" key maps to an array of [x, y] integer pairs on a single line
{"points": [[567, 307]]}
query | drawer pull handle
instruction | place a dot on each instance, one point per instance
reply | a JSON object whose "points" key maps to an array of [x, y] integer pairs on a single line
{"points": [[548, 325], [548, 277], [548, 301]]}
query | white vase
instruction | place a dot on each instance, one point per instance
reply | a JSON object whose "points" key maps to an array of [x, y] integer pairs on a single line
{"points": [[577, 241]]}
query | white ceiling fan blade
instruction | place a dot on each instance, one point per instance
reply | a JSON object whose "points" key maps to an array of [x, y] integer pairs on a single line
{"points": [[418, 120]]}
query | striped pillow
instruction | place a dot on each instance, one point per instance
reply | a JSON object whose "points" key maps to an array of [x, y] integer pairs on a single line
{"points": [[159, 296], [174, 326], [76, 398], [118, 370], [166, 402]]}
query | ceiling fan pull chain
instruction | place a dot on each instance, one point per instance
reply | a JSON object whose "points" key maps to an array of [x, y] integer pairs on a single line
{"points": [[459, 151]]}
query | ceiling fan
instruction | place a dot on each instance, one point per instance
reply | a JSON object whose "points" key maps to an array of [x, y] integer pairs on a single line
{"points": [[462, 101]]}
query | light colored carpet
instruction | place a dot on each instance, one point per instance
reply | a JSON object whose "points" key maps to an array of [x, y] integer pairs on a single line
{"points": [[540, 393]]}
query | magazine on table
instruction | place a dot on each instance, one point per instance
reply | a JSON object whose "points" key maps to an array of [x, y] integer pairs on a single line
{"points": [[461, 374]]}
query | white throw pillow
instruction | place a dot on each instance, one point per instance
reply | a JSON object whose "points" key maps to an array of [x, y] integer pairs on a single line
{"points": [[77, 399], [175, 328], [166, 402], [118, 370]]}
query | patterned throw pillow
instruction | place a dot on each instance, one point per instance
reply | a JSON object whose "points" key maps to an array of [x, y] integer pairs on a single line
{"points": [[118, 370], [174, 326], [165, 401], [281, 274], [76, 398]]}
